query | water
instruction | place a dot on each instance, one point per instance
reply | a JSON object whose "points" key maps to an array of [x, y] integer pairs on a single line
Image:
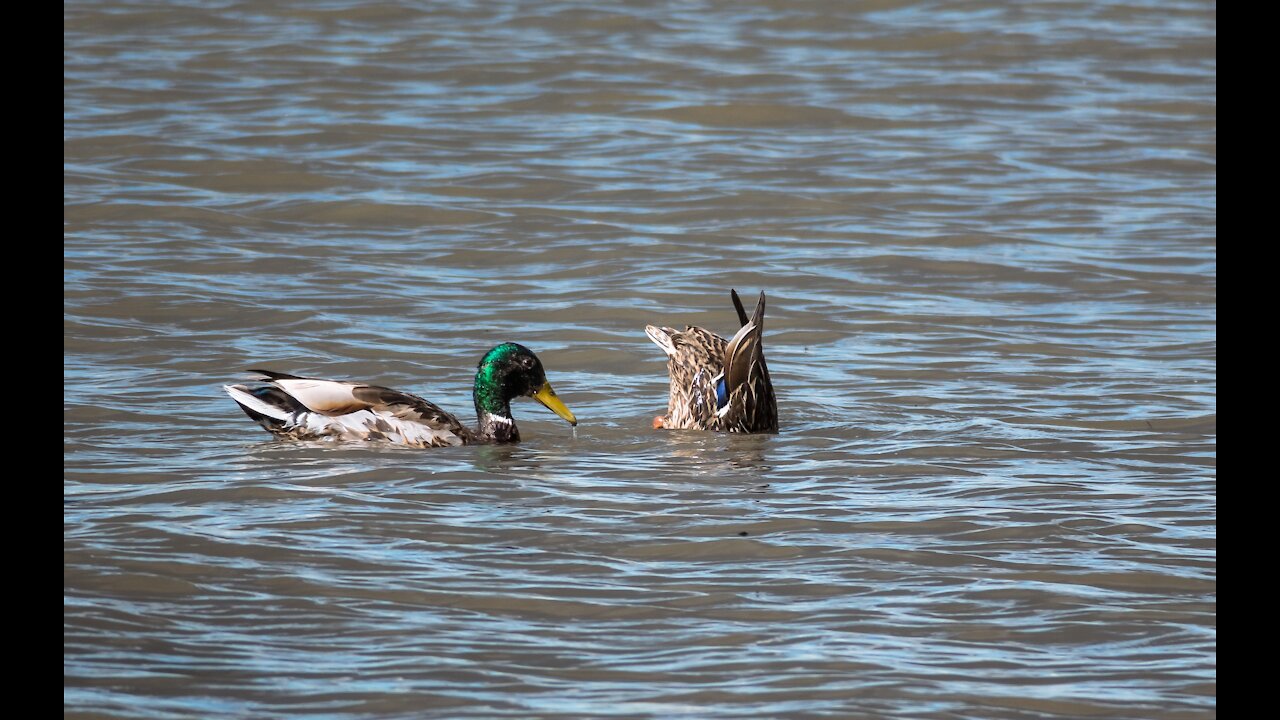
{"points": [[988, 237]]}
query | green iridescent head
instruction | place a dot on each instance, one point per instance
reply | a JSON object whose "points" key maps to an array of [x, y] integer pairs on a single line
{"points": [[511, 370]]}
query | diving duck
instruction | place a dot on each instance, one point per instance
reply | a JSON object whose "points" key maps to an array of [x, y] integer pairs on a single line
{"points": [[717, 384], [301, 408]]}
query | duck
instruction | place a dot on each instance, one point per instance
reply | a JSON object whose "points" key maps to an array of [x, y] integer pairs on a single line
{"points": [[301, 408], [717, 384]]}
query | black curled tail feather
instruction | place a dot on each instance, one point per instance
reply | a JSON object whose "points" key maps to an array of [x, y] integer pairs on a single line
{"points": [[273, 375]]}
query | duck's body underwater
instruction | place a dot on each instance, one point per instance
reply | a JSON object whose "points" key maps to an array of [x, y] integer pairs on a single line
{"points": [[717, 384], [301, 408]]}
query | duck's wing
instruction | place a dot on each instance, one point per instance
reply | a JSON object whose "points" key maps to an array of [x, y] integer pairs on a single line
{"points": [[310, 409], [737, 305], [747, 401], [695, 357]]}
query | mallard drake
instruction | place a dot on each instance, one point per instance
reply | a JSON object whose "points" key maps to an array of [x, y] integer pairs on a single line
{"points": [[717, 384], [308, 409]]}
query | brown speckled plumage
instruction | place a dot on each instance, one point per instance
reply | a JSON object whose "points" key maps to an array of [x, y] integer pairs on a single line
{"points": [[695, 359]]}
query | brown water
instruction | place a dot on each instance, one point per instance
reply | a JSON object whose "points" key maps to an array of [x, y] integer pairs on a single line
{"points": [[987, 232]]}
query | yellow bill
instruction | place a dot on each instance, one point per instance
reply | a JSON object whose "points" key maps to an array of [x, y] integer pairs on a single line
{"points": [[547, 396]]}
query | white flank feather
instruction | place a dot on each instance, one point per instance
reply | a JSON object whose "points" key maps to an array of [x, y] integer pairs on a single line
{"points": [[320, 395]]}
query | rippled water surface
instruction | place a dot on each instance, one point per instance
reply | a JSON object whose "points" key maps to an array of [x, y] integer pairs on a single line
{"points": [[987, 234]]}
